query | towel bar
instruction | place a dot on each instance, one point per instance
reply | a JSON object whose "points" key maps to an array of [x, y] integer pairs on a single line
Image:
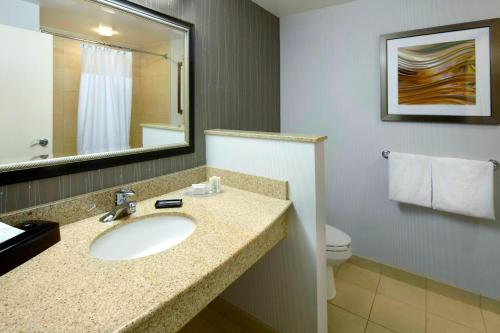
{"points": [[386, 153]]}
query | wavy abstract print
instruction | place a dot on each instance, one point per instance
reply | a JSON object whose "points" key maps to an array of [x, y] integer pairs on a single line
{"points": [[438, 74]]}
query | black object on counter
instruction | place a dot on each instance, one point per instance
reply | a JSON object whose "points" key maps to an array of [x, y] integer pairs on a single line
{"points": [[171, 203], [36, 238]]}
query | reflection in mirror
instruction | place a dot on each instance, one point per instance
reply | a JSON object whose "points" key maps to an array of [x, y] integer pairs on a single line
{"points": [[91, 79]]}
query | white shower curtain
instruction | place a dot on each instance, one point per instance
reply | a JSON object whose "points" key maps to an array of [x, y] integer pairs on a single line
{"points": [[105, 101]]}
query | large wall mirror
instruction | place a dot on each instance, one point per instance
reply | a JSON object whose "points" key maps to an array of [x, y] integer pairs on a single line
{"points": [[86, 84]]}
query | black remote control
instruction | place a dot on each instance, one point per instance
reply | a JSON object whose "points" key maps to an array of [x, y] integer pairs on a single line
{"points": [[170, 203]]}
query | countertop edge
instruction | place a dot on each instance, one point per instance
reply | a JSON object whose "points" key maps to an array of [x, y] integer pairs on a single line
{"points": [[268, 135]]}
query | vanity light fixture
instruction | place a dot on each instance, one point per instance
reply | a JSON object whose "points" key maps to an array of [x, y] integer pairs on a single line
{"points": [[105, 30]]}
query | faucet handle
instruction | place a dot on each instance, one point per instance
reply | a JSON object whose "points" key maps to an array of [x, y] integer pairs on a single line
{"points": [[122, 195], [132, 207]]}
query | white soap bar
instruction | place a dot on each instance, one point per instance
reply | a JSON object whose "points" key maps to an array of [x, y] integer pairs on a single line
{"points": [[199, 188], [7, 232]]}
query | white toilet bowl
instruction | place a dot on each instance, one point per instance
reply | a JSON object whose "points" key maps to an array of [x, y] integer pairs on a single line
{"points": [[338, 250]]}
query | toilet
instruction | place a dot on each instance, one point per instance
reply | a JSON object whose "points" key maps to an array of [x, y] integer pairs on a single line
{"points": [[338, 250]]}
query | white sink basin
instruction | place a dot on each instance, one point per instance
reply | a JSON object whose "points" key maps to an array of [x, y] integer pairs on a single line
{"points": [[143, 237]]}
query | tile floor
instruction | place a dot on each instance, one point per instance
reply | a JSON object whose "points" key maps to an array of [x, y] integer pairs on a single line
{"points": [[375, 298], [221, 317]]}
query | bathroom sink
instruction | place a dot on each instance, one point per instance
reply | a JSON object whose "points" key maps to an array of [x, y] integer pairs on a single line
{"points": [[143, 237]]}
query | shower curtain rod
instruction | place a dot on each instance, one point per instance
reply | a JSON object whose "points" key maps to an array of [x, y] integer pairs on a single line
{"points": [[57, 34]]}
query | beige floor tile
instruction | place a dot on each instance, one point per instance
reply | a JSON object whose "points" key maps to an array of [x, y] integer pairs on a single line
{"points": [[359, 276], [220, 321], [397, 316], [454, 304], [402, 291], [491, 314], [437, 324], [376, 328], [199, 325], [353, 298], [342, 321], [492, 321], [257, 329]]}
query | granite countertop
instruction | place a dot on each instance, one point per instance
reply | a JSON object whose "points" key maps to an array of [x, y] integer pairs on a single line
{"points": [[171, 127], [268, 135], [65, 289]]}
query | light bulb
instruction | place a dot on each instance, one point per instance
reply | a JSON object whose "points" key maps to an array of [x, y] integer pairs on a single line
{"points": [[104, 30]]}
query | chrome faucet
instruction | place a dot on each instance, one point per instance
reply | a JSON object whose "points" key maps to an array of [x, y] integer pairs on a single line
{"points": [[123, 207]]}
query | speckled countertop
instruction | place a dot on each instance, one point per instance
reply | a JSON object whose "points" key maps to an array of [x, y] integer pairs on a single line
{"points": [[268, 135], [65, 289]]}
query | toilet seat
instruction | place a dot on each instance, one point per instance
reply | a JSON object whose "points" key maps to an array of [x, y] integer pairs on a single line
{"points": [[337, 240], [338, 251], [337, 248]]}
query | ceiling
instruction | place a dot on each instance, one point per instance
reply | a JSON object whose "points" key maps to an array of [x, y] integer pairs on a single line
{"points": [[282, 8], [79, 18]]}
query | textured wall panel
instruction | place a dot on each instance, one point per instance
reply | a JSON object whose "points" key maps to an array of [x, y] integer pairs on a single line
{"points": [[330, 85], [237, 87], [291, 278]]}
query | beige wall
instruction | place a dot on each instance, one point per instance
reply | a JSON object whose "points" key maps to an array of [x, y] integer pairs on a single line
{"points": [[151, 93], [67, 56]]}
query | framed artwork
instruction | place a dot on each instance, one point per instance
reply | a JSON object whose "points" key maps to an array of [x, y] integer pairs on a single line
{"points": [[442, 74]]}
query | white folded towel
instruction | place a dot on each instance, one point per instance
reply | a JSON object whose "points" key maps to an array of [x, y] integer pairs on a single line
{"points": [[7, 232], [410, 179], [463, 187]]}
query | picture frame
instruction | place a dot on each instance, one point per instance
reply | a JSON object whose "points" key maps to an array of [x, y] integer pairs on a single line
{"points": [[445, 74]]}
